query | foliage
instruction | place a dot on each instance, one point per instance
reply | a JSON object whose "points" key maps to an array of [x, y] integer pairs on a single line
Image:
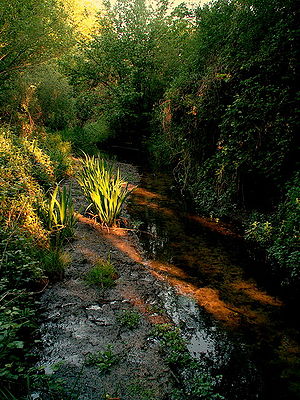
{"points": [[197, 383], [46, 96], [228, 121], [85, 139], [173, 344], [31, 32], [279, 234], [25, 256], [105, 189], [103, 360], [59, 216], [122, 72], [21, 165], [129, 319], [19, 269], [102, 274], [59, 152]]}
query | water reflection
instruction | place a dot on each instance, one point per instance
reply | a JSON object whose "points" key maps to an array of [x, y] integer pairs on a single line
{"points": [[199, 257]]}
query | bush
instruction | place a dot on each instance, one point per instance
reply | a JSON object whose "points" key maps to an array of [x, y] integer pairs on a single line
{"points": [[20, 192], [20, 270], [59, 152], [279, 233], [26, 170]]}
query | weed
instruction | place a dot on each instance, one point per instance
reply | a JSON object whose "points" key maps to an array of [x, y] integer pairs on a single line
{"points": [[129, 319], [196, 382], [102, 274], [155, 309], [173, 345], [103, 360], [55, 262], [139, 390]]}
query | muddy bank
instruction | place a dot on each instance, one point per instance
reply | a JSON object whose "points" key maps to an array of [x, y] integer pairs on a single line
{"points": [[80, 320]]}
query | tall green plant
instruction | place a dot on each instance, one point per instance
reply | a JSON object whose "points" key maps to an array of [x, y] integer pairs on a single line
{"points": [[105, 189], [60, 214]]}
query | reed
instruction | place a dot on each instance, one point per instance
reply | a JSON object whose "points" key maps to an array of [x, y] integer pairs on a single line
{"points": [[60, 217], [105, 189]]}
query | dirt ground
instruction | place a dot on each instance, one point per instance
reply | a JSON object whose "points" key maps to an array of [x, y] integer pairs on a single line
{"points": [[80, 320]]}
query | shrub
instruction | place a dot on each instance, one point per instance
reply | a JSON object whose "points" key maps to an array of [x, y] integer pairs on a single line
{"points": [[20, 192], [19, 270], [59, 152], [278, 233]]}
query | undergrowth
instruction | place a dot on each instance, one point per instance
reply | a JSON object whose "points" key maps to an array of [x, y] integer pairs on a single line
{"points": [[29, 167]]}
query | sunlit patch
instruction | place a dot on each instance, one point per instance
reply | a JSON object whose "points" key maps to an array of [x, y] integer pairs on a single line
{"points": [[91, 255], [214, 225], [147, 194], [154, 206], [169, 268], [208, 298], [252, 291]]}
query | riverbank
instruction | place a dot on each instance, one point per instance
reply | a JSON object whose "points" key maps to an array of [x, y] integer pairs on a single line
{"points": [[181, 318], [115, 327]]}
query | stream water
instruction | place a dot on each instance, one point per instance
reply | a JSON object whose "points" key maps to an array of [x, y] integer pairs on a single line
{"points": [[230, 319]]}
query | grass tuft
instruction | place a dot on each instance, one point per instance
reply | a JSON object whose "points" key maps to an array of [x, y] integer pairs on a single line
{"points": [[102, 274]]}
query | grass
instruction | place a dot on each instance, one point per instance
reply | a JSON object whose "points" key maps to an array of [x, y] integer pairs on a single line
{"points": [[102, 274], [55, 262]]}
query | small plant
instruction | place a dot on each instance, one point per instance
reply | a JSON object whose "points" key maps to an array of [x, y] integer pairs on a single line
{"points": [[173, 345], [105, 189], [103, 360], [129, 319], [54, 263], [102, 274], [139, 389]]}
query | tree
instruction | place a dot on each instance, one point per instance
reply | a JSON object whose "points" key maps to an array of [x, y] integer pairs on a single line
{"points": [[32, 31], [129, 61]]}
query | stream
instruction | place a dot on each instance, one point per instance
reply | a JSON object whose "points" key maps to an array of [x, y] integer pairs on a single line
{"points": [[226, 308]]}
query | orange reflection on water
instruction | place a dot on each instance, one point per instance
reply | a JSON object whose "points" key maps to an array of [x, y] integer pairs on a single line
{"points": [[147, 194], [207, 297], [154, 206], [252, 291], [214, 225]]}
